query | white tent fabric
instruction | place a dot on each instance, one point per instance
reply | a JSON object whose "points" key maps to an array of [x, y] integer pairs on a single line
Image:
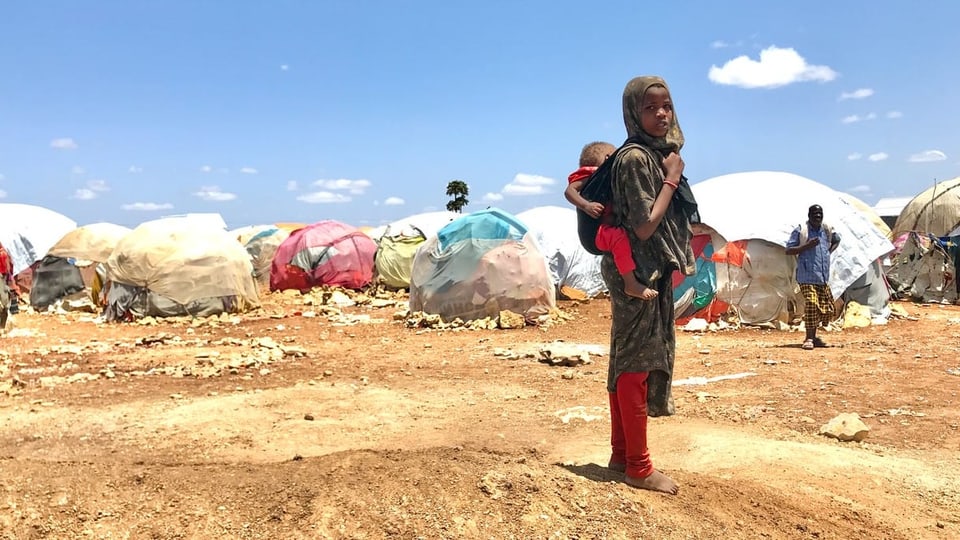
{"points": [[426, 224], [93, 242], [554, 228], [769, 205], [28, 232]]}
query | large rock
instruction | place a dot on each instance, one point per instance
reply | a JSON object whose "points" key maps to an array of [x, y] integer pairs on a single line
{"points": [[846, 427]]}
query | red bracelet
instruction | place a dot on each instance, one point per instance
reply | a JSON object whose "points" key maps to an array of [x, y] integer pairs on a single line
{"points": [[673, 185]]}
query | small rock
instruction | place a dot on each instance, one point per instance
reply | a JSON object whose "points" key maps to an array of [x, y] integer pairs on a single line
{"points": [[308, 417]]}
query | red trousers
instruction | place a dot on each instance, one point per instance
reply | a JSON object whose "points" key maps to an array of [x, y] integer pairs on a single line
{"points": [[615, 240], [628, 425]]}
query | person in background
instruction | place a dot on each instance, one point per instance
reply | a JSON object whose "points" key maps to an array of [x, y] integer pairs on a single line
{"points": [[609, 237], [7, 299], [655, 206], [812, 243]]}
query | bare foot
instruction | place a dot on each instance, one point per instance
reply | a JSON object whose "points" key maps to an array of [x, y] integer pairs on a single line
{"points": [[655, 482], [637, 290]]}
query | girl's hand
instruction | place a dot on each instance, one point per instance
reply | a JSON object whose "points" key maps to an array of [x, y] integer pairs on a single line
{"points": [[673, 166], [594, 209]]}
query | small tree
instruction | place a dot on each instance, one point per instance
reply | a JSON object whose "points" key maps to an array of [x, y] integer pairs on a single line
{"points": [[459, 190]]}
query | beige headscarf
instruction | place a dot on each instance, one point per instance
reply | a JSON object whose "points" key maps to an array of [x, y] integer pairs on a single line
{"points": [[632, 102]]}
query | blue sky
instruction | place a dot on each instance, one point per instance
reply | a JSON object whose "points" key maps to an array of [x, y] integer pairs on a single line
{"points": [[363, 111]]}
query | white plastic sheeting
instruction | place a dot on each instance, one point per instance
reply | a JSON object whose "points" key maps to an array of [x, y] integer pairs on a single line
{"points": [[554, 228], [28, 232]]}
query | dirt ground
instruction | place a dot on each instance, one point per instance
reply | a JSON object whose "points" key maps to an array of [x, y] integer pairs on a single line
{"points": [[304, 421]]}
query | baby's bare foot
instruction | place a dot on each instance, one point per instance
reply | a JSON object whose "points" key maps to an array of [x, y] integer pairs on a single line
{"points": [[639, 291], [655, 482]]}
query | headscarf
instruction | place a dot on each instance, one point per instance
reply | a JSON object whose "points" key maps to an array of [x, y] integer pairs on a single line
{"points": [[671, 142], [632, 102]]}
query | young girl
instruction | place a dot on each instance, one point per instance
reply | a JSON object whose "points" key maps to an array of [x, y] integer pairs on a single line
{"points": [[647, 173]]}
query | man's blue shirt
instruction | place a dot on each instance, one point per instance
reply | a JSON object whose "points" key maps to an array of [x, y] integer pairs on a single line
{"points": [[813, 265]]}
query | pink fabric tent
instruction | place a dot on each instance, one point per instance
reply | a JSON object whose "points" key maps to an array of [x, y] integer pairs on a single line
{"points": [[326, 253]]}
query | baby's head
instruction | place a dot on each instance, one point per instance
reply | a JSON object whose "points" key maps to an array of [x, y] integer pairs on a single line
{"points": [[595, 153]]}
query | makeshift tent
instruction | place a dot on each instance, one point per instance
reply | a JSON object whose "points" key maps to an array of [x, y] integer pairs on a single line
{"points": [[399, 242], [245, 233], [178, 266], [478, 265], [758, 278], [554, 228], [326, 253], [925, 268], [936, 211], [28, 232], [262, 246], [70, 264]]}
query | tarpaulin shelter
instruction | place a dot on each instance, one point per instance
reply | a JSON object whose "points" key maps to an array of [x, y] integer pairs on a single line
{"points": [[478, 265], [178, 266], [325, 253], [554, 228], [262, 246], [28, 232], [924, 268], [398, 243], [759, 279], [935, 211], [70, 264]]}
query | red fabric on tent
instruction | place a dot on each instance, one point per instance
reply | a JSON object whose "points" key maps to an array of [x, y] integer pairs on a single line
{"points": [[734, 253], [339, 255]]}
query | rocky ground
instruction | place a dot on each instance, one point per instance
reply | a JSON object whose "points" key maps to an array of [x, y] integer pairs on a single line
{"points": [[313, 418]]}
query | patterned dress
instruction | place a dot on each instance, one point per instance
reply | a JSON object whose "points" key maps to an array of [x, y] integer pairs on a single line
{"points": [[642, 337]]}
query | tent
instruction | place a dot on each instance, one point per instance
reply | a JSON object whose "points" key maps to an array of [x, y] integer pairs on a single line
{"points": [[178, 266], [262, 246], [889, 208], [325, 253], [936, 211], [754, 275], [925, 268], [554, 228], [398, 243], [28, 232], [70, 264], [477, 266]]}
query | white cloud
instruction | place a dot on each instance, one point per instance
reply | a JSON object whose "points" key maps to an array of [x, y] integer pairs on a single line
{"points": [[248, 170], [3, 194], [853, 118], [213, 193], [927, 156], [527, 184], [320, 197], [65, 143], [84, 194], [355, 187], [859, 93], [206, 169], [134, 169], [879, 156], [76, 169], [854, 156], [147, 206], [862, 188], [284, 67], [98, 185], [776, 67], [292, 185], [894, 114], [394, 201], [719, 44], [493, 197]]}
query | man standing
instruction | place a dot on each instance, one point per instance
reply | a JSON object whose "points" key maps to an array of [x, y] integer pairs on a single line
{"points": [[813, 243]]}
